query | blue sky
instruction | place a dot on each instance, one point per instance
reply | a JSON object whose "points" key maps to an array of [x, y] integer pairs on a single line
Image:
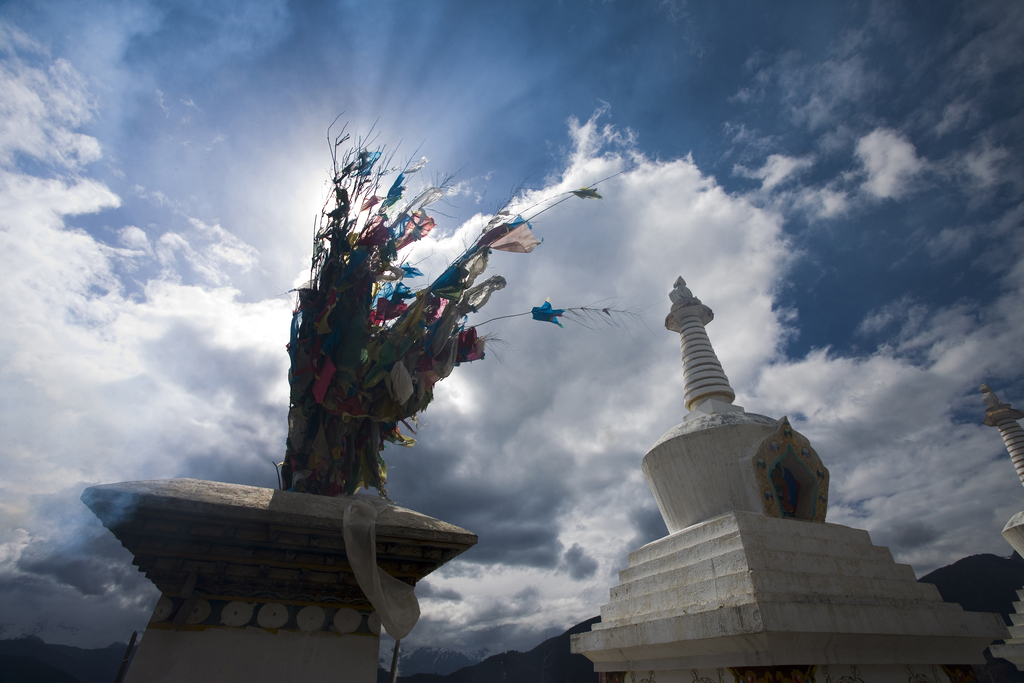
{"points": [[841, 182]]}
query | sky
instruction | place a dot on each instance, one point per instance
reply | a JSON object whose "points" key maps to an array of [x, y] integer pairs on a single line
{"points": [[841, 182]]}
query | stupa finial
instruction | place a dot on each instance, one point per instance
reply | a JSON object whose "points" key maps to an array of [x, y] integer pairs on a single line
{"points": [[1004, 417], [707, 388]]}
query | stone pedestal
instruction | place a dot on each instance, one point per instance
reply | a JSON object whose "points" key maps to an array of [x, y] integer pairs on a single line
{"points": [[751, 585], [256, 584], [745, 591]]}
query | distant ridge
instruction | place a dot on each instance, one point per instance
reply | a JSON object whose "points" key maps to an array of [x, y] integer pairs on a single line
{"points": [[77, 664], [984, 583], [435, 660], [981, 583], [549, 662]]}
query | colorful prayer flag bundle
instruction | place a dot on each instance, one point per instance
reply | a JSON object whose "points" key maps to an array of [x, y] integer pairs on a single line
{"points": [[366, 349]]}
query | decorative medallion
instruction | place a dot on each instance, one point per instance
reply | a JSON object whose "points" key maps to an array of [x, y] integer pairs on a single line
{"points": [[236, 613], [199, 613], [790, 476], [272, 615], [299, 616], [347, 620], [310, 618], [164, 607]]}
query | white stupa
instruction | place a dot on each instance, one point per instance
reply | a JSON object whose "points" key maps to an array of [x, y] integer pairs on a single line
{"points": [[751, 584], [1004, 417]]}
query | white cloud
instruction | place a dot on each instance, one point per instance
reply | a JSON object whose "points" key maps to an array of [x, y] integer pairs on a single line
{"points": [[41, 106], [890, 161], [817, 94], [955, 115], [990, 34], [987, 166], [949, 243], [135, 239], [905, 312], [822, 202], [777, 169], [111, 388], [99, 386], [213, 253]]}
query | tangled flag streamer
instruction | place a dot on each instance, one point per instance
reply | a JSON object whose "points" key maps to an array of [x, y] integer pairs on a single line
{"points": [[366, 349]]}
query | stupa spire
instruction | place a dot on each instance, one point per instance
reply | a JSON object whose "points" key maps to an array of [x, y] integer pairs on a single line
{"points": [[707, 388], [1003, 416]]}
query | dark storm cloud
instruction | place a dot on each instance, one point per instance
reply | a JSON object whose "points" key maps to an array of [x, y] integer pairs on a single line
{"points": [[187, 356], [78, 552], [99, 567], [511, 621], [73, 579], [518, 542], [243, 379], [649, 525], [494, 638], [512, 514], [425, 589], [913, 534], [524, 602], [580, 564]]}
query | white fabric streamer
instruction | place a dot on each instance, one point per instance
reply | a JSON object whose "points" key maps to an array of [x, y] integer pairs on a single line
{"points": [[395, 601], [401, 382]]}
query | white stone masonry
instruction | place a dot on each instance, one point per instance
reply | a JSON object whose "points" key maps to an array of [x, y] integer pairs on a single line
{"points": [[1012, 650], [744, 589]]}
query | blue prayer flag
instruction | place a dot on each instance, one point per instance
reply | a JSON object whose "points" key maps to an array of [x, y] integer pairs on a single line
{"points": [[547, 314]]}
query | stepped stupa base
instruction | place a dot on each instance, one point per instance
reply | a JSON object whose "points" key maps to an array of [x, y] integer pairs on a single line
{"points": [[1013, 649], [743, 590]]}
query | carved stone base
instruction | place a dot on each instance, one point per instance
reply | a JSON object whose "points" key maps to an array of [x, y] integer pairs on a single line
{"points": [[256, 583]]}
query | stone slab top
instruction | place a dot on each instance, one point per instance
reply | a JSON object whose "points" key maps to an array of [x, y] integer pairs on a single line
{"points": [[706, 422], [1015, 521], [198, 499]]}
